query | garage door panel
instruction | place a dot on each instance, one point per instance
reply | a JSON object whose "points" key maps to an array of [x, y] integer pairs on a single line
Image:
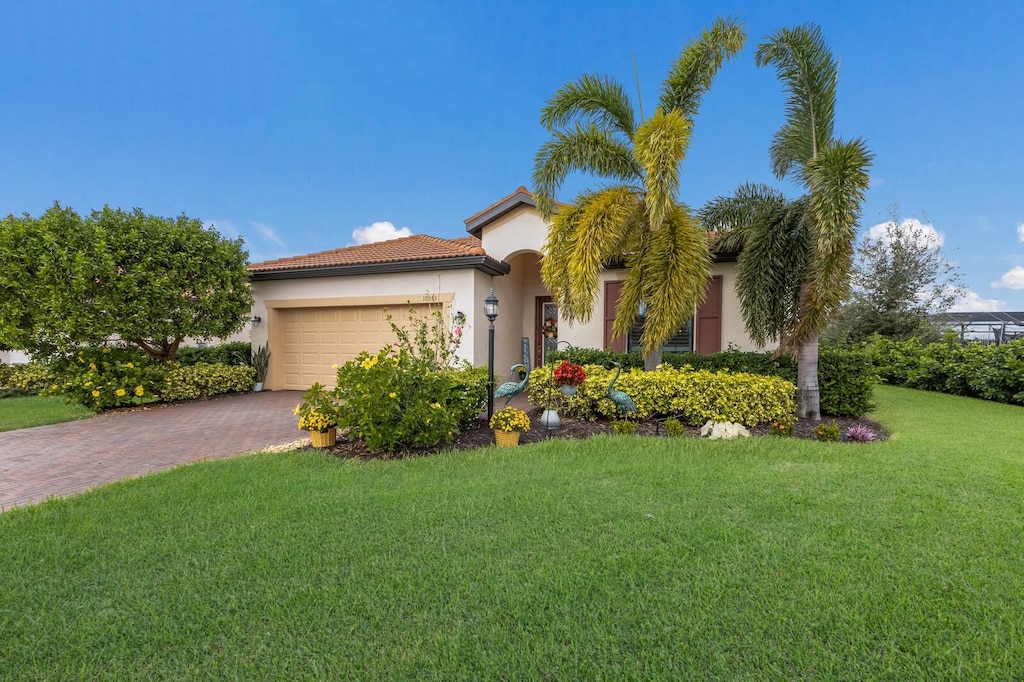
{"points": [[316, 339]]}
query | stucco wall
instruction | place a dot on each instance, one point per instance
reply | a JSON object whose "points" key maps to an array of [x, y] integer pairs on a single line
{"points": [[520, 230]]}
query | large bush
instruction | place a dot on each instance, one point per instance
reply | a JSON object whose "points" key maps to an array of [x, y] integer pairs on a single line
{"points": [[845, 376], [693, 396], [108, 376], [204, 380]]}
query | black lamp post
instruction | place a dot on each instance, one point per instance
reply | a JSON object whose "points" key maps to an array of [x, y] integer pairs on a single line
{"points": [[491, 311]]}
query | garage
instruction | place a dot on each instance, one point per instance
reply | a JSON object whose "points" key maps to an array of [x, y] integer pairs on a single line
{"points": [[313, 340]]}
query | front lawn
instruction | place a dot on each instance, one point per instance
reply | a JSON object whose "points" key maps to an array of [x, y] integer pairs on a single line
{"points": [[26, 411], [612, 558]]}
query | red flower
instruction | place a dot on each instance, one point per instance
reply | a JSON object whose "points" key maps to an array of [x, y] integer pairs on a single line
{"points": [[569, 374]]}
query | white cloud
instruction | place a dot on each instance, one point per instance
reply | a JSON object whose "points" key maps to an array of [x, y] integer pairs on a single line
{"points": [[379, 232], [971, 302], [268, 233], [1014, 279], [875, 182], [1020, 232], [924, 234]]}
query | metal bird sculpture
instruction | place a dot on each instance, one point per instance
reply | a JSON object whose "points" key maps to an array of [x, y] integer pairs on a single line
{"points": [[621, 400], [510, 389]]}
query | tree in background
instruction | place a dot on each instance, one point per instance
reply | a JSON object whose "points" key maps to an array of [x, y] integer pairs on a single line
{"points": [[638, 219], [150, 281], [794, 270], [900, 279]]}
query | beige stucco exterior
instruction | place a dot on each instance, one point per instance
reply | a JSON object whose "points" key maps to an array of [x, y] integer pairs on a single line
{"points": [[515, 237]]}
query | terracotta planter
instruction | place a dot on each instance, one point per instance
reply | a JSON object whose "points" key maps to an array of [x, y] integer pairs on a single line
{"points": [[568, 390], [324, 439], [506, 439]]}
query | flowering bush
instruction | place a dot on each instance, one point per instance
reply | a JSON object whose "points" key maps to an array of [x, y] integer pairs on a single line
{"points": [[827, 431], [108, 376], [860, 434], [510, 419], [569, 374], [318, 410], [783, 426]]}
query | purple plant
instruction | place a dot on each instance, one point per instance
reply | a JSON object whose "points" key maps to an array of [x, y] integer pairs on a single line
{"points": [[860, 434]]}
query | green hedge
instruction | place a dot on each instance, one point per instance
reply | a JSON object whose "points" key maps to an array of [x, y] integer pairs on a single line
{"points": [[973, 369], [693, 396], [206, 379], [234, 353], [845, 376]]}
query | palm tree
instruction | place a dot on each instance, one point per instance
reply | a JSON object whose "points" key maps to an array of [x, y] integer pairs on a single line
{"points": [[637, 219], [794, 270]]}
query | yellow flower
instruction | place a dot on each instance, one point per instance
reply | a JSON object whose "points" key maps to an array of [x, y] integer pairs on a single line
{"points": [[106, 350], [139, 391], [120, 392], [129, 364], [92, 365], [369, 362], [88, 384], [95, 393], [435, 405], [390, 395]]}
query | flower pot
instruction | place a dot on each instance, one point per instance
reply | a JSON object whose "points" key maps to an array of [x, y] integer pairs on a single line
{"points": [[258, 387], [506, 439], [324, 439], [568, 390], [550, 420]]}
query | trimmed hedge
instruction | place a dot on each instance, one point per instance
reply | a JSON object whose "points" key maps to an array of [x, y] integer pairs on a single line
{"points": [[693, 396], [973, 369], [31, 377], [845, 376], [206, 379], [234, 353]]}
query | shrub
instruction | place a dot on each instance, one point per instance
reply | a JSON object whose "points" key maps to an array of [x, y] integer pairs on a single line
{"points": [[827, 431], [6, 372], [860, 434], [624, 427], [233, 353], [101, 377], [603, 358], [845, 379], [465, 394], [694, 397], [674, 427], [32, 377], [782, 427], [205, 379]]}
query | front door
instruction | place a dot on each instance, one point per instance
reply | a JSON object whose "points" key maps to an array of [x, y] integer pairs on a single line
{"points": [[546, 329]]}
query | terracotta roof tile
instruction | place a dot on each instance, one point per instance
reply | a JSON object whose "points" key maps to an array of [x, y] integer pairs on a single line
{"points": [[520, 190], [416, 247]]}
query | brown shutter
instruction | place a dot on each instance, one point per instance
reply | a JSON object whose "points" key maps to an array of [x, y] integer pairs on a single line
{"points": [[612, 290], [709, 319]]}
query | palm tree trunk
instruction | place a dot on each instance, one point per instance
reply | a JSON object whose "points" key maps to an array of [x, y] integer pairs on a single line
{"points": [[652, 361], [808, 396]]}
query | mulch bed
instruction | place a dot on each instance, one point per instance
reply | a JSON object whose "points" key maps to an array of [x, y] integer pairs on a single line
{"points": [[479, 435]]}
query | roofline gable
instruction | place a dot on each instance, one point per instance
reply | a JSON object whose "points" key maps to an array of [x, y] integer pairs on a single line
{"points": [[521, 197]]}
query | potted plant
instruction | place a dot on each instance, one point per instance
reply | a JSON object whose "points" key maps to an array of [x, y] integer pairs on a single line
{"points": [[260, 361], [568, 375], [508, 424], [318, 414]]}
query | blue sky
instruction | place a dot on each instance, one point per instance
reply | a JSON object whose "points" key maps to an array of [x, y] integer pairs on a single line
{"points": [[294, 124]]}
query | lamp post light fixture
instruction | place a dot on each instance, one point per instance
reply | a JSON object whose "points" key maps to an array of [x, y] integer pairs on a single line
{"points": [[256, 321], [491, 311]]}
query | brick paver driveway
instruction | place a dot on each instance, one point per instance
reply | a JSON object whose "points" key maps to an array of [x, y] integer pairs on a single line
{"points": [[69, 458]]}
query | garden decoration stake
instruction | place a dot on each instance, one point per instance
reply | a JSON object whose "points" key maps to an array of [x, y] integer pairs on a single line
{"points": [[510, 389], [621, 400]]}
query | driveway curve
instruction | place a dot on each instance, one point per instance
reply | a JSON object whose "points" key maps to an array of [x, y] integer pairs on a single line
{"points": [[69, 458]]}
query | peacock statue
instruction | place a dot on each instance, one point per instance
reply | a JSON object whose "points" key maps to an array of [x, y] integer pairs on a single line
{"points": [[510, 389], [621, 400]]}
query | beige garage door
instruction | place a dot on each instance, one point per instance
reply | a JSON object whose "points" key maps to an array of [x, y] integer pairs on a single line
{"points": [[316, 339]]}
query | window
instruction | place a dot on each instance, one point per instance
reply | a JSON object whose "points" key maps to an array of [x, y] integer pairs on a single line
{"points": [[680, 342]]}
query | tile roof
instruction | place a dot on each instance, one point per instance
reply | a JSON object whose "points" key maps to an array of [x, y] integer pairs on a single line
{"points": [[418, 247], [521, 190]]}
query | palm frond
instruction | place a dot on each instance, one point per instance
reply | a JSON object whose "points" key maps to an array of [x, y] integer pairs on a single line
{"points": [[695, 68], [594, 99], [587, 149], [730, 217], [660, 147], [582, 237], [839, 179], [804, 63]]}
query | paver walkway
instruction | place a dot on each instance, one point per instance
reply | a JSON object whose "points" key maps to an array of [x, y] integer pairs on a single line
{"points": [[64, 459]]}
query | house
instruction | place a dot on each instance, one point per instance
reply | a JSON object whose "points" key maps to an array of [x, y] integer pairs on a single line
{"points": [[321, 309]]}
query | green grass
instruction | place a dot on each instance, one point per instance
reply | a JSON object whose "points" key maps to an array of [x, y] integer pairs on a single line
{"points": [[23, 412], [614, 558]]}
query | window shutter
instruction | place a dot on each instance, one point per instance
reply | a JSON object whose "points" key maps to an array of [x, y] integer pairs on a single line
{"points": [[612, 290], [709, 319]]}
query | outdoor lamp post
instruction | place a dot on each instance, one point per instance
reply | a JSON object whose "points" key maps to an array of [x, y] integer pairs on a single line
{"points": [[491, 311]]}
